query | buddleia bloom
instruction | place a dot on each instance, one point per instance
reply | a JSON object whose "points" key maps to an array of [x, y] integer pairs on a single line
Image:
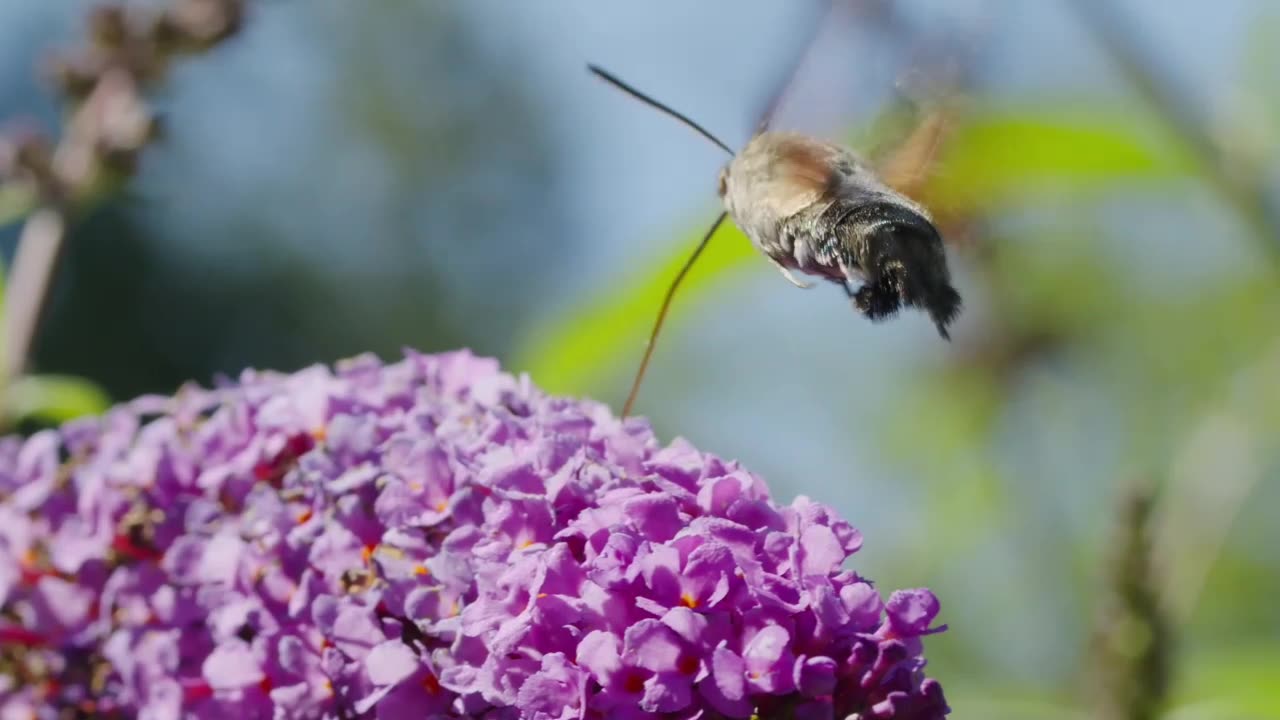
{"points": [[430, 538]]}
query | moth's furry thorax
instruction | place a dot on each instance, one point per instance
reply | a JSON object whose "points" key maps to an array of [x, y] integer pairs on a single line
{"points": [[817, 208]]}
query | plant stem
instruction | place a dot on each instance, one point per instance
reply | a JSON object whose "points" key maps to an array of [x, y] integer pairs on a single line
{"points": [[40, 251], [1133, 638]]}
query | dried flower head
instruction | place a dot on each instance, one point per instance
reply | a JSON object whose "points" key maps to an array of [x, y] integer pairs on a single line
{"points": [[429, 538]]}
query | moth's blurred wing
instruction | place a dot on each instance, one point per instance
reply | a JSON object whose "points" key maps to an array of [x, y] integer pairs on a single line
{"points": [[907, 167], [801, 172]]}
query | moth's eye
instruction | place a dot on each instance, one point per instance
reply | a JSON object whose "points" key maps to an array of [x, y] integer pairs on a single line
{"points": [[724, 181]]}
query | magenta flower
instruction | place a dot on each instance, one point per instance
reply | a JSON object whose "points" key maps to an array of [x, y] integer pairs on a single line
{"points": [[426, 539]]}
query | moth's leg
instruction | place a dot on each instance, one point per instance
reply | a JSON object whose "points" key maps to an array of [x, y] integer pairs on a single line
{"points": [[850, 278], [787, 274]]}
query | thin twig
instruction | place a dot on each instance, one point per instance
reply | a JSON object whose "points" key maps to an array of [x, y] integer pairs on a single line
{"points": [[1108, 26]]}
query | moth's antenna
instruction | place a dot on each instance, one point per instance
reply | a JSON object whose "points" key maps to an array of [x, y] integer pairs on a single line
{"points": [[613, 80], [662, 312]]}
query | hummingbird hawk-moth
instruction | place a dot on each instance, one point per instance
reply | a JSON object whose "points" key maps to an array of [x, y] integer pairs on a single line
{"points": [[817, 208]]}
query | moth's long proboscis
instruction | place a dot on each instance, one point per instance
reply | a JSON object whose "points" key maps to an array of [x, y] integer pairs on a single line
{"points": [[662, 313]]}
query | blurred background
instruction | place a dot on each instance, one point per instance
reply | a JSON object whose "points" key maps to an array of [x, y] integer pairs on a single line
{"points": [[342, 177]]}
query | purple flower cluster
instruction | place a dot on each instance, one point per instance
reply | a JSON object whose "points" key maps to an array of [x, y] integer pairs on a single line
{"points": [[429, 538]]}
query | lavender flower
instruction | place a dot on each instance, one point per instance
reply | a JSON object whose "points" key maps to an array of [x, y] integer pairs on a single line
{"points": [[430, 538]]}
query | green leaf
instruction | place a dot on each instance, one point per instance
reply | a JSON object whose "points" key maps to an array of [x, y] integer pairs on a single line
{"points": [[999, 157], [572, 353], [53, 399]]}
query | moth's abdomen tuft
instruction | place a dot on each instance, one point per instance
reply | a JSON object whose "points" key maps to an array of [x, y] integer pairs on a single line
{"points": [[901, 255]]}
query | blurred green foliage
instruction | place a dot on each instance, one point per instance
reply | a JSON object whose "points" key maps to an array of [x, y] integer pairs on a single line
{"points": [[53, 399], [997, 157], [1229, 684]]}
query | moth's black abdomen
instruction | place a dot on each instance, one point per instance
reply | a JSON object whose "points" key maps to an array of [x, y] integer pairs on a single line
{"points": [[902, 256]]}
